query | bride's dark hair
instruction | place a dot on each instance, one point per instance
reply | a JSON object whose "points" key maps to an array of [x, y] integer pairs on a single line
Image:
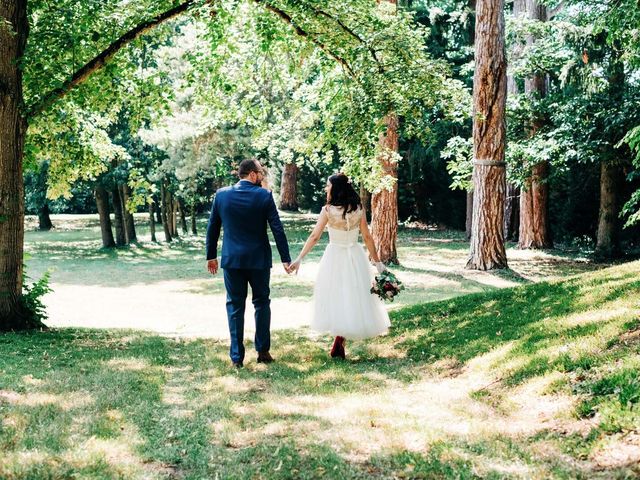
{"points": [[342, 194]]}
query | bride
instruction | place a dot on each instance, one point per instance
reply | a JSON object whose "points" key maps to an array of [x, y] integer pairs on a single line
{"points": [[343, 304]]}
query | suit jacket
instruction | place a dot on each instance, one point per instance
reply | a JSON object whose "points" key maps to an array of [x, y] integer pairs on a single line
{"points": [[244, 210]]}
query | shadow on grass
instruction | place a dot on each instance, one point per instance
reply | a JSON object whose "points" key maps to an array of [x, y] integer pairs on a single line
{"points": [[127, 405], [140, 403], [521, 318]]}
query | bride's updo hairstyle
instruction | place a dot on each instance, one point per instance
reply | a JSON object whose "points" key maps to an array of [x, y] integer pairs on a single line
{"points": [[342, 194]]}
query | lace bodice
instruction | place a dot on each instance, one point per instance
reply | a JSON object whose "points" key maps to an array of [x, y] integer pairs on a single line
{"points": [[336, 221]]}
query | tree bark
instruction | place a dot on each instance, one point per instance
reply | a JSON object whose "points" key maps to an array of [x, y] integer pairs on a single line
{"points": [[607, 238], [129, 223], [118, 220], [384, 204], [165, 213], [289, 188], [152, 223], [489, 137], [14, 29], [194, 227], [102, 202], [534, 197]]}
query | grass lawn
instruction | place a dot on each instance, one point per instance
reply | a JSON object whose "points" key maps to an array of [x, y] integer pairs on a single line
{"points": [[533, 381]]}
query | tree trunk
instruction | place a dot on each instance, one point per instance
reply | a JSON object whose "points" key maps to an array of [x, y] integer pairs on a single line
{"points": [[152, 223], [384, 204], [102, 202], [118, 220], [611, 174], [157, 206], [469, 215], [289, 188], [194, 228], [44, 219], [174, 215], [165, 213], [14, 29], [512, 201], [489, 137], [534, 198], [183, 218], [129, 223], [607, 240]]}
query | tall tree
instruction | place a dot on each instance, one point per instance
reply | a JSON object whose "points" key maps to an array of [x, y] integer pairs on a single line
{"points": [[13, 126], [489, 138], [14, 115], [611, 176], [534, 197], [512, 202], [384, 203]]}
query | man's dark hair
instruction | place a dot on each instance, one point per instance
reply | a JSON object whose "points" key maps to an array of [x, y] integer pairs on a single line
{"points": [[247, 166]]}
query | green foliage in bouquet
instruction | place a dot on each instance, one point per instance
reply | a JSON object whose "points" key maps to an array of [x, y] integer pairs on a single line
{"points": [[386, 286]]}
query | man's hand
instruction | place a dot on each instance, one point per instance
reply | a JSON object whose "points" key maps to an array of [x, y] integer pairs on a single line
{"points": [[212, 266], [294, 266], [286, 266]]}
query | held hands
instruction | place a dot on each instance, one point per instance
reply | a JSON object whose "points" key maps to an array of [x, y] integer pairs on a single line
{"points": [[294, 266]]}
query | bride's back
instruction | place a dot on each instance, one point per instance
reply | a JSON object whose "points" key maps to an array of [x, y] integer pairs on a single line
{"points": [[338, 221]]}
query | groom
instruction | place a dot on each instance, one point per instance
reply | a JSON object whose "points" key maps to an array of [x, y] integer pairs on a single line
{"points": [[244, 210]]}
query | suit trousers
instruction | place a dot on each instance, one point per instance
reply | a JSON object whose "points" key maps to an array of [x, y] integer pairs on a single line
{"points": [[236, 282]]}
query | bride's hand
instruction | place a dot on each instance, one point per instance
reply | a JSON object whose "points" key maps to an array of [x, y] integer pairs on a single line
{"points": [[380, 267], [294, 266]]}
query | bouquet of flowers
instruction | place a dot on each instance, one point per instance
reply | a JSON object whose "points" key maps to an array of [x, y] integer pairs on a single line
{"points": [[386, 286]]}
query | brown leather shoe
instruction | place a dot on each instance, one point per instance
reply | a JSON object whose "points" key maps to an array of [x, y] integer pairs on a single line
{"points": [[264, 357]]}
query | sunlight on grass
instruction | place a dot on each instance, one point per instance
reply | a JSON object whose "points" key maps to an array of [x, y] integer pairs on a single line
{"points": [[538, 381]]}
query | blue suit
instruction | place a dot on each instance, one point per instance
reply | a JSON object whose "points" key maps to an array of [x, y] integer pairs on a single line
{"points": [[244, 210]]}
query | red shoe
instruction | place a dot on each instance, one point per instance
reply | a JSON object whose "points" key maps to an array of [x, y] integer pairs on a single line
{"points": [[337, 350]]}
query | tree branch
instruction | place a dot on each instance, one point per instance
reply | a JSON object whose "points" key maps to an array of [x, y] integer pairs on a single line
{"points": [[287, 19], [99, 61], [348, 30]]}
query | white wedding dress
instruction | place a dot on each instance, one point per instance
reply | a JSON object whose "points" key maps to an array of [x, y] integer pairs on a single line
{"points": [[343, 304]]}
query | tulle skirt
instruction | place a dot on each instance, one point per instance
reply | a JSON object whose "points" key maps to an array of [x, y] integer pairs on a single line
{"points": [[343, 304]]}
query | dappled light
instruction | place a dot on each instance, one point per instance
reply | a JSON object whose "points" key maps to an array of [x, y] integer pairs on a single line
{"points": [[491, 394]]}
